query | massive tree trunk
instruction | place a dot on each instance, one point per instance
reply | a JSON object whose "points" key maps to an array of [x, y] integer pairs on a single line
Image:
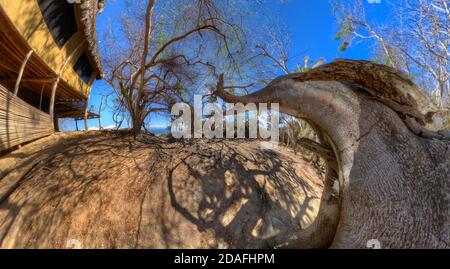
{"points": [[394, 186]]}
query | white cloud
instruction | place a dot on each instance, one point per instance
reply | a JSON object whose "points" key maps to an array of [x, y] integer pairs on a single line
{"points": [[159, 126], [109, 127]]}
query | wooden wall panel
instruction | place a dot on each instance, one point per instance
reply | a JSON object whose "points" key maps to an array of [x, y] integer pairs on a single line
{"points": [[21, 122]]}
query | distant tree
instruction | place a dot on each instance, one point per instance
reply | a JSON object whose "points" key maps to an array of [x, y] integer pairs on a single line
{"points": [[415, 40], [277, 50], [157, 55], [100, 109]]}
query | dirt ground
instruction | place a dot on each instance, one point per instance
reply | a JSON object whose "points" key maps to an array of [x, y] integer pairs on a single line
{"points": [[107, 190]]}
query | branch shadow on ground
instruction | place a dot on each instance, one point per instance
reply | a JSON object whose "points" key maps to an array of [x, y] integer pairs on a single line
{"points": [[111, 191], [252, 199]]}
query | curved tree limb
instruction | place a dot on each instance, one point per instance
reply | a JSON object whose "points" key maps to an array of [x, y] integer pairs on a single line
{"points": [[393, 184]]}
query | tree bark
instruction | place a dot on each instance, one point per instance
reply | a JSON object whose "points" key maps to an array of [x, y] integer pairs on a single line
{"points": [[394, 186], [100, 114]]}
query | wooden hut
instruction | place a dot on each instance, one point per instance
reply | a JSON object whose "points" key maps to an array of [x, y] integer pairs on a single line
{"points": [[48, 62]]}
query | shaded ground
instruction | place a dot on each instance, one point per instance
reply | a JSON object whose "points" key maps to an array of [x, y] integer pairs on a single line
{"points": [[106, 190]]}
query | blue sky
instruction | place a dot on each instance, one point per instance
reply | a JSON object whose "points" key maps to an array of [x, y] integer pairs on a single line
{"points": [[311, 25]]}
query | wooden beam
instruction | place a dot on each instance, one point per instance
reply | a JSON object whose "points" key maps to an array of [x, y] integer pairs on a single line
{"points": [[71, 101], [76, 114], [22, 68], [7, 67], [37, 80]]}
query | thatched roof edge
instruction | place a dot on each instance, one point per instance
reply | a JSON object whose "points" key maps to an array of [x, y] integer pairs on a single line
{"points": [[88, 10]]}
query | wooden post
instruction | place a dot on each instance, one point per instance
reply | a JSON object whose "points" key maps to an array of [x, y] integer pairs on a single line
{"points": [[22, 68], [34, 80], [86, 126], [53, 96], [55, 84], [40, 99], [91, 81], [54, 87], [56, 124]]}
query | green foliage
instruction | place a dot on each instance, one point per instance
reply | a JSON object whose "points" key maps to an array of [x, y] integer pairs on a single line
{"points": [[343, 46], [344, 32]]}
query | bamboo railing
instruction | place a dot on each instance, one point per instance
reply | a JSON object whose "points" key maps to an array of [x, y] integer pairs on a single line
{"points": [[21, 122]]}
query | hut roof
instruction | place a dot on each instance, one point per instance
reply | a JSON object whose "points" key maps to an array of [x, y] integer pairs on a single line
{"points": [[88, 10]]}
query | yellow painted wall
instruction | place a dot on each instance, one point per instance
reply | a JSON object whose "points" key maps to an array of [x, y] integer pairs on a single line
{"points": [[27, 17]]}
